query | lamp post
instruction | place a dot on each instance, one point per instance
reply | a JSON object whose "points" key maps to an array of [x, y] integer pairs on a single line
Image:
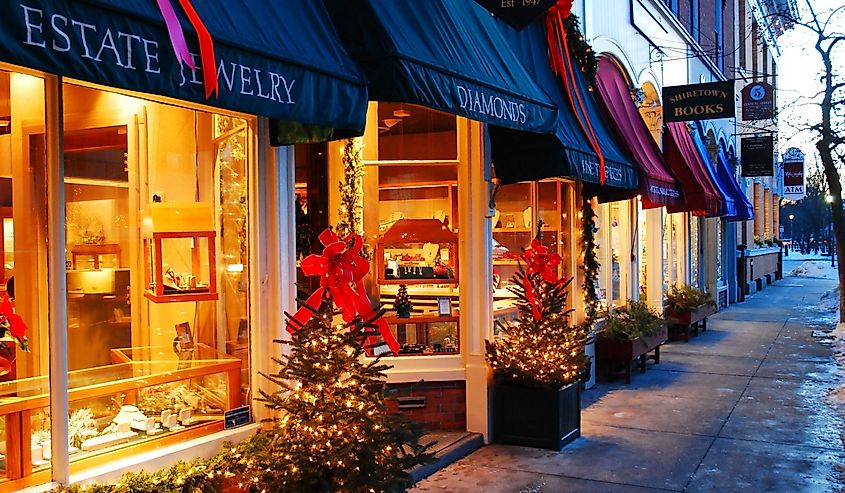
{"points": [[791, 232], [829, 199]]}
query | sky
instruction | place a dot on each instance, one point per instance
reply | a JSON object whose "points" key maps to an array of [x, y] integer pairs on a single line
{"points": [[799, 69]]}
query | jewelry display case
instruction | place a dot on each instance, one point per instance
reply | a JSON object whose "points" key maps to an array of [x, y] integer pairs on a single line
{"points": [[418, 251], [182, 226], [148, 397]]}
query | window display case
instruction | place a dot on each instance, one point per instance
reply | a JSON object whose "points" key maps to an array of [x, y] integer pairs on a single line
{"points": [[183, 227], [149, 397], [418, 251]]}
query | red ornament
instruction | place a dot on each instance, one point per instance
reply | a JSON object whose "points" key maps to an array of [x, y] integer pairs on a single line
{"points": [[341, 269]]}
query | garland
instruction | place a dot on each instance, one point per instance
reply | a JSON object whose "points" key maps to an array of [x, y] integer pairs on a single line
{"points": [[351, 210], [580, 49], [591, 261]]}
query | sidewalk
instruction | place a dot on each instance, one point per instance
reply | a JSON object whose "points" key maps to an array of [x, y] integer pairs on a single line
{"points": [[748, 405]]}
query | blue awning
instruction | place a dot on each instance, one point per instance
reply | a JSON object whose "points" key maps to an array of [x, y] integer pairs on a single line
{"points": [[567, 153], [728, 207], [444, 54], [277, 59], [744, 209]]}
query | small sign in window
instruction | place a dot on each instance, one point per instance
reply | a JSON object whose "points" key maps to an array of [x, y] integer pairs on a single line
{"points": [[236, 417]]}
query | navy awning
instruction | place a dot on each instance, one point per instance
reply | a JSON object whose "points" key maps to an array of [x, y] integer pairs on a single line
{"points": [[444, 54], [278, 59], [728, 207], [744, 209], [567, 153]]}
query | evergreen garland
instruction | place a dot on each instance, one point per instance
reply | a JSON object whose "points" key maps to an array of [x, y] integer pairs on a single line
{"points": [[591, 261], [580, 49], [351, 210]]}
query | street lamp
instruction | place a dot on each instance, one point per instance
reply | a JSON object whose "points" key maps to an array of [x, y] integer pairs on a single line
{"points": [[791, 233], [829, 199]]}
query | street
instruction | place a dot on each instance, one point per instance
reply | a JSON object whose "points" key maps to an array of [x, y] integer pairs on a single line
{"points": [[755, 403]]}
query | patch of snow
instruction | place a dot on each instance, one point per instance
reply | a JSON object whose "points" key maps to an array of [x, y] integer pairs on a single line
{"points": [[829, 302], [815, 268]]}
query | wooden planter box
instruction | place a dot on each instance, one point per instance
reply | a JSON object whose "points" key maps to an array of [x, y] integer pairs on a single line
{"points": [[682, 323], [536, 417], [609, 351]]}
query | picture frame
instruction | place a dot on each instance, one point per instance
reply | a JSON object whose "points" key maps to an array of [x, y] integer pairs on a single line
{"points": [[184, 337], [444, 306]]}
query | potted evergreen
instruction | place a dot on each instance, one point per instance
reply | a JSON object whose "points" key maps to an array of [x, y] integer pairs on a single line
{"points": [[686, 308], [537, 359], [630, 332], [402, 304]]}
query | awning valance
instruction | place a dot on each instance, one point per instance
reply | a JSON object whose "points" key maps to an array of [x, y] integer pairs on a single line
{"points": [[567, 153], [657, 187], [444, 54], [728, 204], [278, 59], [701, 197]]}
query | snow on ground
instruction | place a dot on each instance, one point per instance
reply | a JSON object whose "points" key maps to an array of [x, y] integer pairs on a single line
{"points": [[815, 268], [829, 302]]}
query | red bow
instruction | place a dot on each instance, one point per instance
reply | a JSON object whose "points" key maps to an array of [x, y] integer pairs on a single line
{"points": [[341, 269], [539, 261], [562, 7]]}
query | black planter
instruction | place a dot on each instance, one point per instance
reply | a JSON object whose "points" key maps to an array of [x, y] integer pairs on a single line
{"points": [[536, 417]]}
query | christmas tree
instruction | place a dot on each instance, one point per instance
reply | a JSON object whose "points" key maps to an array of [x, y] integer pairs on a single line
{"points": [[402, 304], [335, 432], [540, 346]]}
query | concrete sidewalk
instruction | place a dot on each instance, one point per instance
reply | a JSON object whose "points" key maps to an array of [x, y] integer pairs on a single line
{"points": [[749, 405]]}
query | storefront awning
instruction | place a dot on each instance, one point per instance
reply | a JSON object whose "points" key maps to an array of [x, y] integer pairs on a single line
{"points": [[701, 197], [728, 206], [657, 186], [744, 209], [567, 153], [277, 59], [443, 54]]}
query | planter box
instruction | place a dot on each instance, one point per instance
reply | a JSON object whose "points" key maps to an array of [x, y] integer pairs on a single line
{"points": [[692, 320], [536, 417], [610, 351]]}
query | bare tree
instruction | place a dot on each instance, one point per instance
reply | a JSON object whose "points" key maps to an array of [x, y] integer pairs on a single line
{"points": [[828, 32]]}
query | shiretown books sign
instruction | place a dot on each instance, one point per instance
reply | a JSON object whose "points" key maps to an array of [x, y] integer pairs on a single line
{"points": [[699, 102]]}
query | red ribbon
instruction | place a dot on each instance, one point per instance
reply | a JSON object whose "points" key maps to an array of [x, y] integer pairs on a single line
{"points": [[561, 63], [539, 260], [177, 39], [341, 269]]}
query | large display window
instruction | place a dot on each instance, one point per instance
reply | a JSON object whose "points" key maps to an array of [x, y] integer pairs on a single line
{"points": [[156, 259]]}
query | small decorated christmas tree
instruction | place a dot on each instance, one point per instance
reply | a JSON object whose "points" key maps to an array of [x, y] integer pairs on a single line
{"points": [[335, 432], [541, 346], [402, 304]]}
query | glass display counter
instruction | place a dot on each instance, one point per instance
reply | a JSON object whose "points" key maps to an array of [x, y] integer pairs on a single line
{"points": [[148, 397]]}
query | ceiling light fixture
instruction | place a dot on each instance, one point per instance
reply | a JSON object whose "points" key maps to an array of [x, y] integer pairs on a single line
{"points": [[401, 113]]}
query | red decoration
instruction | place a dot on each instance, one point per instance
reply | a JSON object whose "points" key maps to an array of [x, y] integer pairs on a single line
{"points": [[539, 260], [180, 48], [561, 63], [341, 269], [13, 323]]}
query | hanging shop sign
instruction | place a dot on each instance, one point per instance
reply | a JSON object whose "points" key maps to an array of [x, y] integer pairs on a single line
{"points": [[758, 102], [699, 102], [518, 13], [757, 155], [793, 175]]}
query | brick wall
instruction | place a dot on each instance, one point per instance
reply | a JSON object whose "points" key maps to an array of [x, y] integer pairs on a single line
{"points": [[445, 404]]}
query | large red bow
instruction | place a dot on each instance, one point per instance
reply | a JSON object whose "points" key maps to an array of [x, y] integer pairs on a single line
{"points": [[541, 261], [341, 269]]}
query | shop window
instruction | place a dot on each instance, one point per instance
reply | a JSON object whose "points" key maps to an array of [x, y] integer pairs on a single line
{"points": [[616, 252], [522, 211], [24, 387], [642, 249], [158, 271], [416, 245]]}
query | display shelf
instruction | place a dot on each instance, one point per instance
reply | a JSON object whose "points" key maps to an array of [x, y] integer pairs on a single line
{"points": [[418, 251], [136, 373], [95, 251]]}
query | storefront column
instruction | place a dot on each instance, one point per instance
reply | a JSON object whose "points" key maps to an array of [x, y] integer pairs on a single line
{"points": [[655, 257], [274, 219], [57, 282], [476, 277], [767, 219], [775, 216], [711, 224], [758, 209]]}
